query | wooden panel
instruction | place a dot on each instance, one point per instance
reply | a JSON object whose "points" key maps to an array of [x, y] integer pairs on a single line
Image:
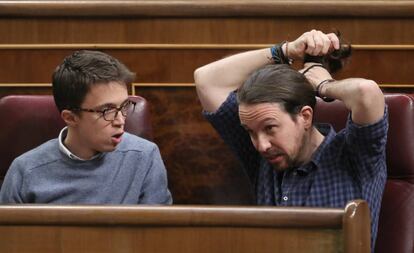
{"points": [[357, 227], [68, 239], [176, 65], [4, 91], [41, 228], [226, 30], [179, 215], [382, 66], [201, 168], [210, 8]]}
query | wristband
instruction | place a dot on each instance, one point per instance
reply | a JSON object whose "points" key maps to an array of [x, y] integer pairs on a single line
{"points": [[319, 88], [285, 58], [277, 54]]}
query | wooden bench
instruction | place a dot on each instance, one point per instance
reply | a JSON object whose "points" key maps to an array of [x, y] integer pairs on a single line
{"points": [[50, 228]]}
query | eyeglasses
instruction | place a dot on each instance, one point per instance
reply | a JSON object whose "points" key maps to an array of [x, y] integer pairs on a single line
{"points": [[110, 114]]}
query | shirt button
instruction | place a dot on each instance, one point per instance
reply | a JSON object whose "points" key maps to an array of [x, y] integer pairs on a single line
{"points": [[285, 198]]}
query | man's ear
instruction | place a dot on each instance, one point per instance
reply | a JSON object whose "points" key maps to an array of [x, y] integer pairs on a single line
{"points": [[307, 115], [70, 118]]}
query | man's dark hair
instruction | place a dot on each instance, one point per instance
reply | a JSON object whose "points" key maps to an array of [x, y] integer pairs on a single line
{"points": [[72, 79], [334, 61], [278, 84]]}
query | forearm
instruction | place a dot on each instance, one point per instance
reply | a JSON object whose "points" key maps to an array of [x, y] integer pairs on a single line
{"points": [[216, 80], [361, 96]]}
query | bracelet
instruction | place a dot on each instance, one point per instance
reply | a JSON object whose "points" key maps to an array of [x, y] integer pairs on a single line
{"points": [[319, 88], [285, 58], [312, 66], [277, 54]]}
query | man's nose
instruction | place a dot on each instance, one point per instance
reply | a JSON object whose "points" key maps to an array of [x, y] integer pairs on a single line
{"points": [[263, 143], [119, 119]]}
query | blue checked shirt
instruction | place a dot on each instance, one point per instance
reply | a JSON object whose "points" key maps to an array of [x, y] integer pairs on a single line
{"points": [[347, 165]]}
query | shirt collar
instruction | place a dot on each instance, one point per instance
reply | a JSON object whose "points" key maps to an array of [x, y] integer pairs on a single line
{"points": [[62, 135], [328, 131]]}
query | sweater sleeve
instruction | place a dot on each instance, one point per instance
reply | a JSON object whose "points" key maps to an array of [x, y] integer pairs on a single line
{"points": [[11, 188], [155, 185]]}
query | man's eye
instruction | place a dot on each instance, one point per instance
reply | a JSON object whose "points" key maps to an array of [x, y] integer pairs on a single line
{"points": [[109, 109]]}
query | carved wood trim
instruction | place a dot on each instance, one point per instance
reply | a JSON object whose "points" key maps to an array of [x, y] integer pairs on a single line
{"points": [[206, 8], [178, 46]]}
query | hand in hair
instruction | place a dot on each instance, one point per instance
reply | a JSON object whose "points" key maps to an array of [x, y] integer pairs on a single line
{"points": [[335, 60], [313, 43]]}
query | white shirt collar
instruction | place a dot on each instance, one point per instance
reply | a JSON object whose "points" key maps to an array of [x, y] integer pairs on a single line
{"points": [[66, 151]]}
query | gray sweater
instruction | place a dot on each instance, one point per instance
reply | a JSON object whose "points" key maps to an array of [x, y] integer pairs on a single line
{"points": [[133, 173]]}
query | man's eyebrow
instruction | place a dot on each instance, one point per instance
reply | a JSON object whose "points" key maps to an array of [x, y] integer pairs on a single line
{"points": [[268, 120], [111, 105]]}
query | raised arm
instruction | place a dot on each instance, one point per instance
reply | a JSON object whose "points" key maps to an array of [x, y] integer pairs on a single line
{"points": [[216, 80], [361, 96]]}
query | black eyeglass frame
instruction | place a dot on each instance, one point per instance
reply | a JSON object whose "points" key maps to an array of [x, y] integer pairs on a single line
{"points": [[125, 108]]}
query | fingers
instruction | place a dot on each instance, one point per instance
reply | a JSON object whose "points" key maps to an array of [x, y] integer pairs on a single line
{"points": [[318, 43], [334, 40], [314, 43]]}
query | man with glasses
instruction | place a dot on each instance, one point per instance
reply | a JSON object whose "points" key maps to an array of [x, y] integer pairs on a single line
{"points": [[93, 161]]}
